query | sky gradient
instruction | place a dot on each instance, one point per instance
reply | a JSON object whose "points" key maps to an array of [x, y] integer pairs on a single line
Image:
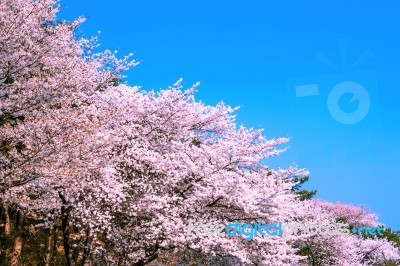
{"points": [[324, 74]]}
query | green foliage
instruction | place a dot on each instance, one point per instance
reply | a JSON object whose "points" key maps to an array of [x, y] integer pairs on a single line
{"points": [[391, 236], [116, 82], [341, 220], [9, 80], [388, 263], [196, 143], [20, 146], [313, 255], [11, 119], [5, 147], [303, 194], [388, 234], [120, 219]]}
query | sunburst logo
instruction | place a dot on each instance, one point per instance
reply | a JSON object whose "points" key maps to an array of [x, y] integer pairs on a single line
{"points": [[348, 101]]}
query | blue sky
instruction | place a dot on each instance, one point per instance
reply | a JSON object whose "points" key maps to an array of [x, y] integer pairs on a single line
{"points": [[343, 59]]}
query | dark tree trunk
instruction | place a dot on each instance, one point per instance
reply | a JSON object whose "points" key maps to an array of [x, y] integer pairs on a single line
{"points": [[48, 246], [55, 251], [7, 223], [65, 210], [88, 243], [16, 256]]}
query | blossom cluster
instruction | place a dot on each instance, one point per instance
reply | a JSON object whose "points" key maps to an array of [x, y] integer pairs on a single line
{"points": [[108, 173]]}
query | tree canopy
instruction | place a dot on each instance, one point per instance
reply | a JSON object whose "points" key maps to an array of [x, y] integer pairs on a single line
{"points": [[101, 173]]}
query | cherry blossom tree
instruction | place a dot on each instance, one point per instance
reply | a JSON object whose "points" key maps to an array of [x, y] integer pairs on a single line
{"points": [[349, 249], [49, 82], [181, 160], [118, 174]]}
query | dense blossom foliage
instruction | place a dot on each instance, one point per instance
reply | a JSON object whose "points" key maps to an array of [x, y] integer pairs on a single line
{"points": [[118, 173]]}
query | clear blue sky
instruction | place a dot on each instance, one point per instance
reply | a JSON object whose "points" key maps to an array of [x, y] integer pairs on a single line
{"points": [[342, 57]]}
